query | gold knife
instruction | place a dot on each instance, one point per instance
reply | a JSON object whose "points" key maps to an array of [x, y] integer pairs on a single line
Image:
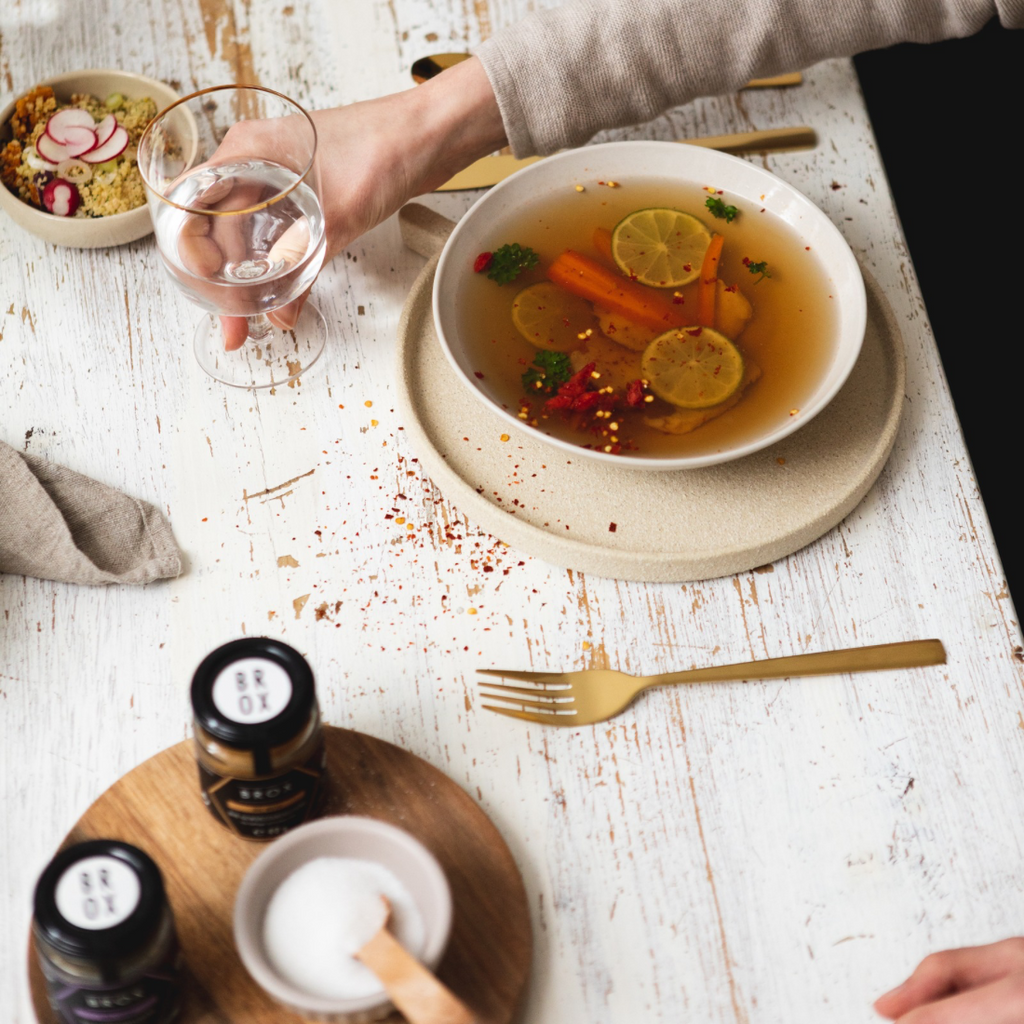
{"points": [[489, 170], [428, 67]]}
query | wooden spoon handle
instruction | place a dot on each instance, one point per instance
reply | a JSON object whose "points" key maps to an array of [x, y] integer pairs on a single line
{"points": [[420, 997]]}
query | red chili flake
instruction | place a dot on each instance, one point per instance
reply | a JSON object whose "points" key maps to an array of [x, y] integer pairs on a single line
{"points": [[746, 261], [687, 267], [807, 248], [578, 382], [615, 449], [488, 568], [612, 527], [558, 402], [586, 401], [728, 288], [478, 375], [482, 262], [635, 393], [695, 332], [678, 300]]}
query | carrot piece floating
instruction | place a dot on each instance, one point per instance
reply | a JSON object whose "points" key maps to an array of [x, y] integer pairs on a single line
{"points": [[603, 243], [708, 282], [640, 305]]}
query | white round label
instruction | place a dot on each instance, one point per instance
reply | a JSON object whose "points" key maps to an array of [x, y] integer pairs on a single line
{"points": [[252, 690], [97, 892]]}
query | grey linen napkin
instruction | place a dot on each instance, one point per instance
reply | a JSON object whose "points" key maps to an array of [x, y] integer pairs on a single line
{"points": [[60, 525]]}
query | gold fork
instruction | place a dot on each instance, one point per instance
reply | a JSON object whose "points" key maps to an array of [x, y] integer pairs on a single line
{"points": [[593, 695]]}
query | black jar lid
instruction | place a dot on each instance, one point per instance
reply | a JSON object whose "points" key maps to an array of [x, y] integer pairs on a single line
{"points": [[233, 729], [129, 892]]}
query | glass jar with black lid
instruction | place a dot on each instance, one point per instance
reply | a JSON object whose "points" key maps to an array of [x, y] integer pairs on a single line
{"points": [[105, 938], [258, 737]]}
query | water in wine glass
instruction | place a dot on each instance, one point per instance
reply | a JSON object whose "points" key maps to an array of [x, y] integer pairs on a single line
{"points": [[258, 243]]}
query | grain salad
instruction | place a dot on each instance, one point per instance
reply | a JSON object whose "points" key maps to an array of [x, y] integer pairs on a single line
{"points": [[77, 158]]}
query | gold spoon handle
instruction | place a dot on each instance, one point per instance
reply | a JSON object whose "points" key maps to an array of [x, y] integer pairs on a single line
{"points": [[751, 142], [908, 654], [420, 997]]}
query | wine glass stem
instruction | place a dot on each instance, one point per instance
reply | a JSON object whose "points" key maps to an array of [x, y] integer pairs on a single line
{"points": [[259, 326]]}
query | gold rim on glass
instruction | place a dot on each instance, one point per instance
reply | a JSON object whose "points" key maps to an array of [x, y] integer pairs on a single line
{"points": [[249, 209]]}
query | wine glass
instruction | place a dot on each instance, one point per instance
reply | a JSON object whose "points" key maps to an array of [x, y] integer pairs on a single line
{"points": [[234, 192]]}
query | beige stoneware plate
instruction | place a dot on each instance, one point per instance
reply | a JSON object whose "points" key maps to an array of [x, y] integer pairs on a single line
{"points": [[633, 524], [85, 232]]}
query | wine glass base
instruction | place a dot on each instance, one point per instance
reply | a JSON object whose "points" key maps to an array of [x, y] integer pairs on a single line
{"points": [[280, 357]]}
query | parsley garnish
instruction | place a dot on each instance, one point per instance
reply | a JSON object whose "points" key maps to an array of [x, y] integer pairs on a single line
{"points": [[757, 268], [548, 372], [510, 261], [720, 210]]}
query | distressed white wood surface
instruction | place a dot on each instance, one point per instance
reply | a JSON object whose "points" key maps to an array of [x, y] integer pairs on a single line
{"points": [[734, 853]]}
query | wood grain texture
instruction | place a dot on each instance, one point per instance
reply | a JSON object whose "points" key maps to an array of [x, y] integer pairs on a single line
{"points": [[751, 853], [156, 807]]}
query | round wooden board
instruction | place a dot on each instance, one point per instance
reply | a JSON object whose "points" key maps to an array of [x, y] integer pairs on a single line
{"points": [[532, 496], [157, 807]]}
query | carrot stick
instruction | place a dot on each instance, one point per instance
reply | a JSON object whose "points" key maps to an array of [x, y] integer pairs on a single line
{"points": [[640, 305], [708, 282], [603, 243]]}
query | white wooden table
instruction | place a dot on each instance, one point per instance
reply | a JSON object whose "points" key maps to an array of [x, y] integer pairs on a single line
{"points": [[754, 852]]}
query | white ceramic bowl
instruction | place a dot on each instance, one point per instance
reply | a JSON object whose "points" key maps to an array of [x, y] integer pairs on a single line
{"points": [[495, 215], [344, 836], [86, 232]]}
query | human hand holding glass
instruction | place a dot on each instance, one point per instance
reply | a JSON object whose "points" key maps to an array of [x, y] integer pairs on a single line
{"points": [[234, 191]]}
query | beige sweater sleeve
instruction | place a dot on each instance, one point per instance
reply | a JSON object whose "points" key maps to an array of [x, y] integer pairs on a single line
{"points": [[563, 74]]}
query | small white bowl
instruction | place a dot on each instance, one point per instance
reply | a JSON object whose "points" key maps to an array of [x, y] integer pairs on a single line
{"points": [[86, 232], [345, 836], [500, 209]]}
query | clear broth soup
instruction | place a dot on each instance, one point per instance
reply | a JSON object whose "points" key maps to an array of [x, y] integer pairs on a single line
{"points": [[787, 342]]}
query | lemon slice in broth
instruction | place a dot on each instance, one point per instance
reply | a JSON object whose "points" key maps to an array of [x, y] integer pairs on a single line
{"points": [[693, 367], [660, 247], [550, 318]]}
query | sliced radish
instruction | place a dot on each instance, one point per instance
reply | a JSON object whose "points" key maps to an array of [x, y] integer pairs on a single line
{"points": [[75, 171], [105, 129], [33, 159], [114, 146], [70, 117], [61, 198], [79, 140], [52, 152]]}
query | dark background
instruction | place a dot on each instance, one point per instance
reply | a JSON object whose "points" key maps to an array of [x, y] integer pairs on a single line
{"points": [[946, 116]]}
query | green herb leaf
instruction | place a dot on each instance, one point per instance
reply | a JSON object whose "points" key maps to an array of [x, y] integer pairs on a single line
{"points": [[510, 261], [757, 268], [720, 210], [548, 372]]}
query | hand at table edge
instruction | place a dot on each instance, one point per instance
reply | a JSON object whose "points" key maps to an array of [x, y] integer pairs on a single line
{"points": [[972, 985]]}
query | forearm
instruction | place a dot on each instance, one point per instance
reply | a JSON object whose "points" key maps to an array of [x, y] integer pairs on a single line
{"points": [[456, 120], [564, 74]]}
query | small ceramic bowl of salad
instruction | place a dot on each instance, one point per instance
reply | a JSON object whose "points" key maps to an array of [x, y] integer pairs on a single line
{"points": [[68, 170]]}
